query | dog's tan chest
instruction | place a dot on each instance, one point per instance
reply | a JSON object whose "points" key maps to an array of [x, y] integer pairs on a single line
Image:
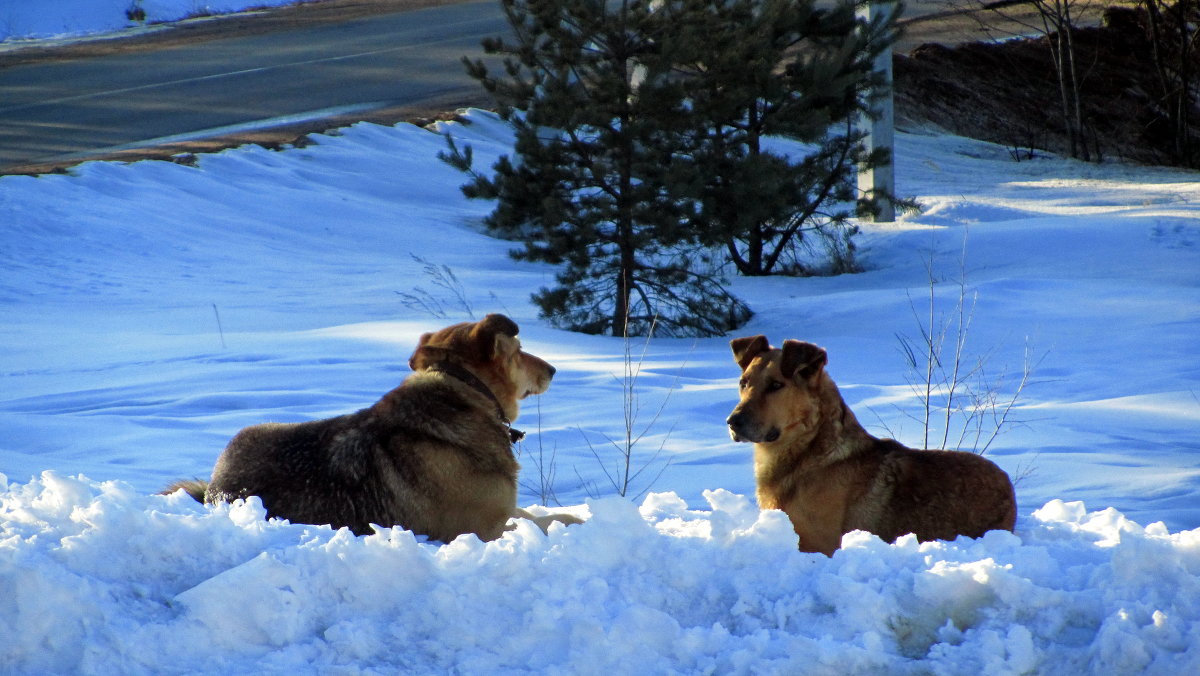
{"points": [[462, 493], [817, 511], [816, 502]]}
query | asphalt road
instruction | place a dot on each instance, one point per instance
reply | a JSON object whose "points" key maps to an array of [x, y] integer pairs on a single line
{"points": [[274, 81], [58, 111]]}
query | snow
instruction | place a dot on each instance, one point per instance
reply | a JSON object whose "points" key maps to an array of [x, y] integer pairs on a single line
{"points": [[151, 310], [24, 20], [103, 579]]}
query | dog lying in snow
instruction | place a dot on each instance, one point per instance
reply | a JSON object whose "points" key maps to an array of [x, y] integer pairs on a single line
{"points": [[433, 455]]}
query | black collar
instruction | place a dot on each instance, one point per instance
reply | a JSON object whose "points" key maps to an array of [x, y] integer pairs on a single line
{"points": [[459, 373]]}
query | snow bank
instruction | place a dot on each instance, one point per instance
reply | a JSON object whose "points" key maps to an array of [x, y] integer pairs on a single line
{"points": [[28, 20], [99, 579]]}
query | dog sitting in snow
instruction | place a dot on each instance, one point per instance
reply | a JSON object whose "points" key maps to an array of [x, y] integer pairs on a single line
{"points": [[816, 463], [433, 456]]}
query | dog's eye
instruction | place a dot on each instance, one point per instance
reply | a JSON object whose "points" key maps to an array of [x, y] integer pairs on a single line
{"points": [[774, 386]]}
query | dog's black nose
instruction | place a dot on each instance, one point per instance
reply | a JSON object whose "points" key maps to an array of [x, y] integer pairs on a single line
{"points": [[552, 370], [734, 421]]}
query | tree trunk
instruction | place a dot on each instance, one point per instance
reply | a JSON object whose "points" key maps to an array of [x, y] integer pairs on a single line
{"points": [[1187, 44], [750, 264], [621, 309], [1056, 26], [1076, 87], [624, 221]]}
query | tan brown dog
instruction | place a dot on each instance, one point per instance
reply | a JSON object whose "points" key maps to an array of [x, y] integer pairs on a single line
{"points": [[816, 463], [433, 455]]}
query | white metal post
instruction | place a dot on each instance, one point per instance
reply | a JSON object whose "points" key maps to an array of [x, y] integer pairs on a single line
{"points": [[880, 126]]}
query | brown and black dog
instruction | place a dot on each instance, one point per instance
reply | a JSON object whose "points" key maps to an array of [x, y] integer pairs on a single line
{"points": [[433, 456], [815, 462]]}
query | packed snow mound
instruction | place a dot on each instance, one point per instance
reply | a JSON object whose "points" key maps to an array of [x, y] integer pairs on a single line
{"points": [[101, 580]]}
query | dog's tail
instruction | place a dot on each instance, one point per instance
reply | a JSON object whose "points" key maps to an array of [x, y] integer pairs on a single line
{"points": [[193, 487]]}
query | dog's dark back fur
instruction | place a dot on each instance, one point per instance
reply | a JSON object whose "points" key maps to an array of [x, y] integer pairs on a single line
{"points": [[362, 462], [944, 514]]}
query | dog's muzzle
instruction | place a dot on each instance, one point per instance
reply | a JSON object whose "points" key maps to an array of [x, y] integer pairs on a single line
{"points": [[542, 380], [741, 428], [737, 426]]}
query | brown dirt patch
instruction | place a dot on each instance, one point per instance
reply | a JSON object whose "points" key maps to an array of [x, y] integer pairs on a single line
{"points": [[275, 137]]}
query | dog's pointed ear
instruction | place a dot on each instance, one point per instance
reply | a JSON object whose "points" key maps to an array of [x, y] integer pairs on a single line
{"points": [[491, 333], [747, 348], [426, 355], [802, 360]]}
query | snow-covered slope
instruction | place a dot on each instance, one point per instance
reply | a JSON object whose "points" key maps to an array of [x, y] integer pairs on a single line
{"points": [[151, 310], [22, 21]]}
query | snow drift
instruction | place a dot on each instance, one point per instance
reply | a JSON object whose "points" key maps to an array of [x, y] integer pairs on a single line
{"points": [[100, 579]]}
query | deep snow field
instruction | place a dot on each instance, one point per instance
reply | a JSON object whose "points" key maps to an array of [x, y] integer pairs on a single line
{"points": [[151, 310]]}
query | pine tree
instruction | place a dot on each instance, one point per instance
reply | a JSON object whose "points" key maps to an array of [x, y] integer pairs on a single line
{"points": [[643, 158], [595, 183], [785, 68]]}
